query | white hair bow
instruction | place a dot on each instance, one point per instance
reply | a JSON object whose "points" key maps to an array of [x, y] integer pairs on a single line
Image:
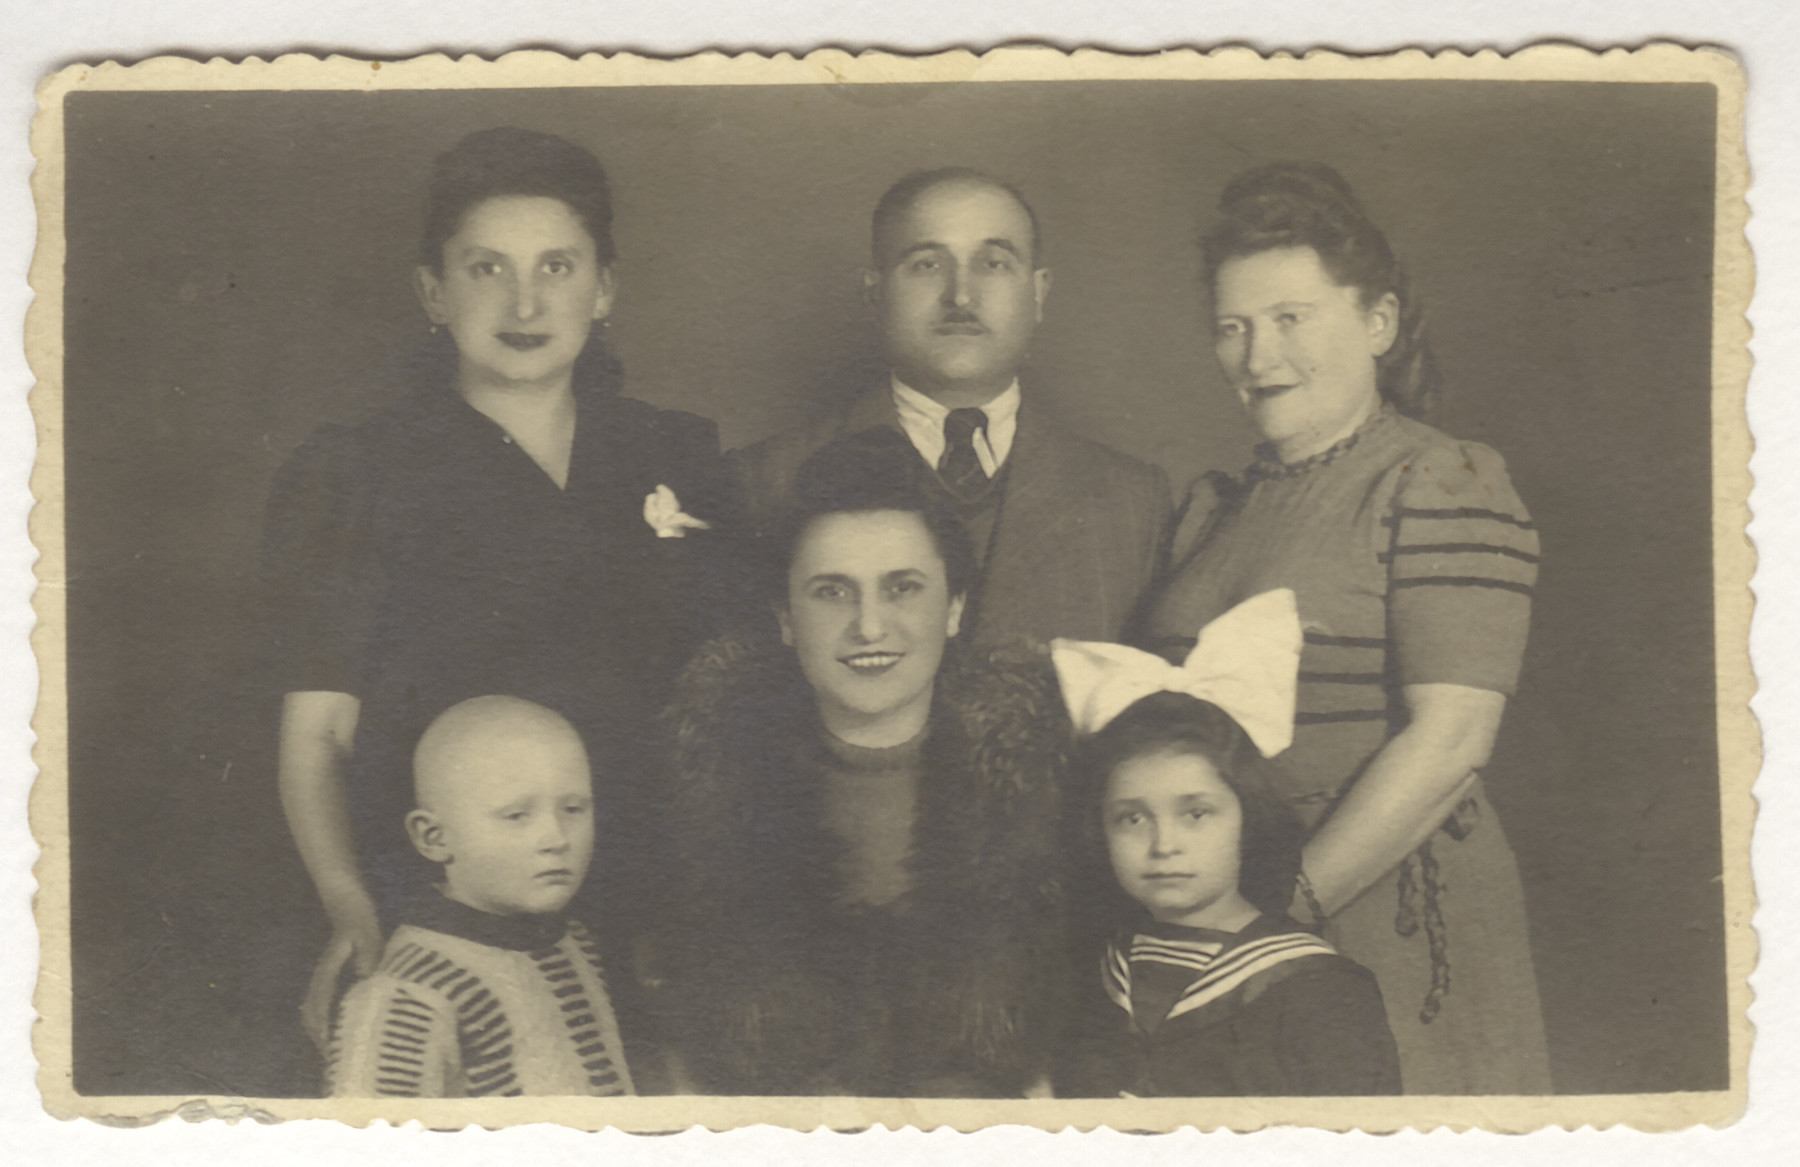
{"points": [[1246, 662]]}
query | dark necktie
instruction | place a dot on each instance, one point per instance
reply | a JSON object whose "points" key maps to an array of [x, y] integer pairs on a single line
{"points": [[959, 467]]}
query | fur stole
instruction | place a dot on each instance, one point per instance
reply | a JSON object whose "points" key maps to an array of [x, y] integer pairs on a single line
{"points": [[772, 997]]}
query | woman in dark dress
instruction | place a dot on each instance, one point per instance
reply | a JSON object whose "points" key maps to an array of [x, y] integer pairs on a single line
{"points": [[1413, 561], [512, 526]]}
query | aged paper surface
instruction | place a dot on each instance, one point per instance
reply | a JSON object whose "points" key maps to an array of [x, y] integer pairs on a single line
{"points": [[873, 80]]}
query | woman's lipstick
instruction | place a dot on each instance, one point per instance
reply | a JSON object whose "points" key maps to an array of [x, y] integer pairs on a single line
{"points": [[524, 341]]}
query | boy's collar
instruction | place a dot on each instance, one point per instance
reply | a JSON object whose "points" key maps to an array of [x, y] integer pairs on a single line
{"points": [[524, 933]]}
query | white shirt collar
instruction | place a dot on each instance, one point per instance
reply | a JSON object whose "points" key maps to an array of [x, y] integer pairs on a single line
{"points": [[923, 420]]}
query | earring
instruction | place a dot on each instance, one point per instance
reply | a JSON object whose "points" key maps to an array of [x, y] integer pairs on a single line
{"points": [[434, 330]]}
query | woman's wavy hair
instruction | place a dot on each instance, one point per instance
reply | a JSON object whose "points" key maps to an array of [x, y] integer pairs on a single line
{"points": [[875, 470], [1308, 204], [504, 161], [508, 161], [1180, 725]]}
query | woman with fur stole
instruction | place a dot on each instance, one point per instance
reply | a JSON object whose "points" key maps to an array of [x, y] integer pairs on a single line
{"points": [[866, 818]]}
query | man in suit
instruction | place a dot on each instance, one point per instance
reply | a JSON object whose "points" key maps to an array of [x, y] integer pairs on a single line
{"points": [[1067, 531]]}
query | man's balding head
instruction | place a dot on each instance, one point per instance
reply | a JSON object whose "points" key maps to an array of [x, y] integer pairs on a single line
{"points": [[900, 198]]}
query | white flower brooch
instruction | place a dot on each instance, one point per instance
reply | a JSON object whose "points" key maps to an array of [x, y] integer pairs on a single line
{"points": [[662, 510]]}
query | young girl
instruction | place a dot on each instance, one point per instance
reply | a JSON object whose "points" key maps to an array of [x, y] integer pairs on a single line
{"points": [[1209, 988]]}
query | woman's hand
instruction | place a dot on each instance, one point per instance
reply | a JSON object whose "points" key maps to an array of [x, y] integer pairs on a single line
{"points": [[1407, 792], [356, 943], [662, 510], [317, 730]]}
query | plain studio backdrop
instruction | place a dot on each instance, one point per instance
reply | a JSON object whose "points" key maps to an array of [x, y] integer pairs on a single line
{"points": [[238, 274]]}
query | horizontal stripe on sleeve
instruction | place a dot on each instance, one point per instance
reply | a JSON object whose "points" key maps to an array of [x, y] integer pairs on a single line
{"points": [[1462, 552], [1462, 568], [1457, 513], [1459, 549], [1462, 581]]}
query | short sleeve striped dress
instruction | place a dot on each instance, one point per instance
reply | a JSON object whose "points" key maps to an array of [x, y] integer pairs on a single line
{"points": [[1413, 561]]}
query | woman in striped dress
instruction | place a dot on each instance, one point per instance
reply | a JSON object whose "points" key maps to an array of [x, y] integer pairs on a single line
{"points": [[1413, 561]]}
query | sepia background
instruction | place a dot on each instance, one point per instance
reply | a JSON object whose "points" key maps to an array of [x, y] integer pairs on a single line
{"points": [[238, 272]]}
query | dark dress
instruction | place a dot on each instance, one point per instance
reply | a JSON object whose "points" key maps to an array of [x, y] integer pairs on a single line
{"points": [[422, 558], [1413, 561], [1270, 1011]]}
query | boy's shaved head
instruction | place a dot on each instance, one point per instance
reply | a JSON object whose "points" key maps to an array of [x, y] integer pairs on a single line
{"points": [[469, 740], [505, 804]]}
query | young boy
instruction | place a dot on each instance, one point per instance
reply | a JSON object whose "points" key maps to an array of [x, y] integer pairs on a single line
{"points": [[489, 990]]}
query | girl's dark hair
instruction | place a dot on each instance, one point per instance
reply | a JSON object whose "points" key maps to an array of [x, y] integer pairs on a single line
{"points": [[876, 470], [1175, 723], [505, 161], [509, 161], [1307, 204]]}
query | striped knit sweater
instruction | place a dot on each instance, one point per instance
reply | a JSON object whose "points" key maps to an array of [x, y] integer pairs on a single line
{"points": [[480, 1005]]}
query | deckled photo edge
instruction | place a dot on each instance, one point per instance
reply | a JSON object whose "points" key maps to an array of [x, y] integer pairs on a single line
{"points": [[662, 1115], [48, 802], [1734, 561], [539, 68]]}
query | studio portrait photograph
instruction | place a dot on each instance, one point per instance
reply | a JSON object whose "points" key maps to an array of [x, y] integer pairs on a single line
{"points": [[1043, 588]]}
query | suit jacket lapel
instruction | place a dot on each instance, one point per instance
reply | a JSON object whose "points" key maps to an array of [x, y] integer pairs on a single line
{"points": [[1042, 497]]}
